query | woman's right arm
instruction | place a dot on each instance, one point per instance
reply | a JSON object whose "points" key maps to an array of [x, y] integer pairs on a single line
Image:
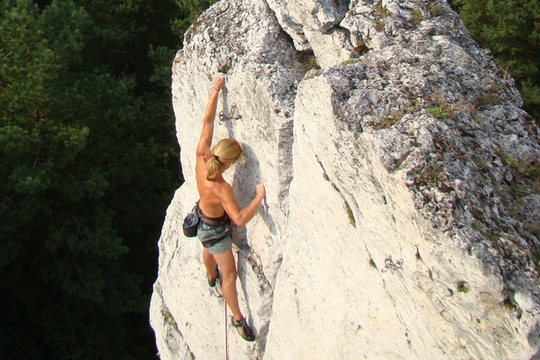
{"points": [[241, 216]]}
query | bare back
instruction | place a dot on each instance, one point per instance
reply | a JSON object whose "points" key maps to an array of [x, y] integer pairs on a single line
{"points": [[210, 192]]}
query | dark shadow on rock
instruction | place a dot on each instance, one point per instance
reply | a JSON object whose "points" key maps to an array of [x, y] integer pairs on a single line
{"points": [[247, 175], [225, 116], [241, 265], [247, 259], [267, 218], [534, 340]]}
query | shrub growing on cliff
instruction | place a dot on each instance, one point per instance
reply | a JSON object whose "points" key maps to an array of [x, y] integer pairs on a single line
{"points": [[438, 112]]}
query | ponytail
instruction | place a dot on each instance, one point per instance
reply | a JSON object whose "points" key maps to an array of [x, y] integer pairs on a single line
{"points": [[224, 153], [213, 166]]}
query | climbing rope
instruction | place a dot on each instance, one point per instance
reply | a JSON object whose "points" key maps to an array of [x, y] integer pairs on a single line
{"points": [[226, 335]]}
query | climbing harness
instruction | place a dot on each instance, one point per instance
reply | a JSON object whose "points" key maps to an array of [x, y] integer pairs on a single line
{"points": [[389, 264], [234, 114]]}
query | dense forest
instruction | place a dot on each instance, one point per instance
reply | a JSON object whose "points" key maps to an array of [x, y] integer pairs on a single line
{"points": [[89, 161], [511, 30]]}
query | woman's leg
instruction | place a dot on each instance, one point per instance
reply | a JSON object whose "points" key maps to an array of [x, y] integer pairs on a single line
{"points": [[210, 264], [227, 267]]}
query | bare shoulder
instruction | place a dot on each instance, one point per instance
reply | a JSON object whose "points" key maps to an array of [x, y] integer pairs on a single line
{"points": [[224, 191], [228, 201]]}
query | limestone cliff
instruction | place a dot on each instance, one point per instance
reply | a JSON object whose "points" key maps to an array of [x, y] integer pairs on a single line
{"points": [[402, 187]]}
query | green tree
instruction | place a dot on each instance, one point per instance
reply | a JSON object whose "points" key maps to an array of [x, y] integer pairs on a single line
{"points": [[511, 30], [88, 163], [190, 10]]}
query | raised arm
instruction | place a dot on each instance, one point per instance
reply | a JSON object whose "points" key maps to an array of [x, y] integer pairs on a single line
{"points": [[209, 116]]}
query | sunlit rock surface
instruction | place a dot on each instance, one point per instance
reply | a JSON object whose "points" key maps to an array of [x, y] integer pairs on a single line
{"points": [[401, 195]]}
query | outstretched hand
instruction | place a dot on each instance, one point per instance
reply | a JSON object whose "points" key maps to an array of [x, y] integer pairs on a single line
{"points": [[219, 81]]}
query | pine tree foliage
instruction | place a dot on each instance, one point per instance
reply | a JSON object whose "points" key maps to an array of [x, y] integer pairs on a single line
{"points": [[191, 10], [88, 164], [511, 30]]}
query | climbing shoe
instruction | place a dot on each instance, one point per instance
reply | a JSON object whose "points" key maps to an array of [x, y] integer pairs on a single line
{"points": [[212, 282], [243, 329]]}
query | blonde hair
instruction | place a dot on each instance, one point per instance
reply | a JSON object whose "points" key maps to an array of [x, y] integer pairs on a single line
{"points": [[224, 153]]}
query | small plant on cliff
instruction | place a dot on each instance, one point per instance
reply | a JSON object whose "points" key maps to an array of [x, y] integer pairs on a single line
{"points": [[508, 158], [313, 74], [382, 11], [508, 304], [462, 287], [430, 176], [308, 61], [417, 16], [488, 100], [168, 317], [379, 25], [435, 10], [494, 238], [224, 69], [481, 163], [438, 112], [350, 215], [361, 49], [386, 121], [527, 174], [350, 62]]}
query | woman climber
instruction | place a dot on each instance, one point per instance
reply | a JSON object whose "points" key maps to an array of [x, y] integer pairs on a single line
{"points": [[217, 205]]}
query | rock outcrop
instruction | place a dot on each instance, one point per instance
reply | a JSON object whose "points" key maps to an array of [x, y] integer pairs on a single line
{"points": [[402, 210]]}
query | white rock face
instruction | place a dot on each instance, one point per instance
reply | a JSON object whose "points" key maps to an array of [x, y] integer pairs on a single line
{"points": [[391, 228], [314, 26]]}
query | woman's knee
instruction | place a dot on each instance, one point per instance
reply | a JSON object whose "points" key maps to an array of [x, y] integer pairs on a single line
{"points": [[229, 276]]}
